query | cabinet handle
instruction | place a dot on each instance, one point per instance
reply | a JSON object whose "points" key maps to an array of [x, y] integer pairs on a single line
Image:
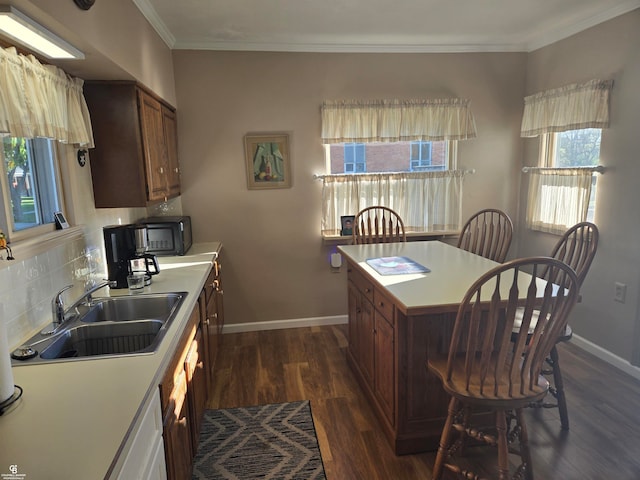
{"points": [[176, 170], [161, 169], [215, 316], [206, 322], [367, 290]]}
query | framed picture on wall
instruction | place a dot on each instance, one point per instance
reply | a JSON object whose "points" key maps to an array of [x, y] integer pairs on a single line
{"points": [[268, 160]]}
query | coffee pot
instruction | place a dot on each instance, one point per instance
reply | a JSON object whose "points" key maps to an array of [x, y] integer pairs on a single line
{"points": [[125, 248], [143, 262]]}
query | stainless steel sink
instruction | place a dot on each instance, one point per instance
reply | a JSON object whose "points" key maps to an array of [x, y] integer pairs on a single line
{"points": [[133, 307], [108, 327], [137, 336]]}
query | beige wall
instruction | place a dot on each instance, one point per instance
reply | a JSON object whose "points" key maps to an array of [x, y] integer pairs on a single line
{"points": [[275, 266], [610, 50]]}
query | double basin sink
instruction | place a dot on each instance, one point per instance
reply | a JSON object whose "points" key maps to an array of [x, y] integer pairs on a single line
{"points": [[109, 326]]}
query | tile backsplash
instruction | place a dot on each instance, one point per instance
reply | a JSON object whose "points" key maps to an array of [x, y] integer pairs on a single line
{"points": [[29, 285]]}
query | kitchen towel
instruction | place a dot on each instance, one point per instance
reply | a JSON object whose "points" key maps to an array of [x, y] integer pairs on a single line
{"points": [[6, 375]]}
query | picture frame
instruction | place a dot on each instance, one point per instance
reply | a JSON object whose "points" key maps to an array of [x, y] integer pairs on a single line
{"points": [[346, 222], [268, 160]]}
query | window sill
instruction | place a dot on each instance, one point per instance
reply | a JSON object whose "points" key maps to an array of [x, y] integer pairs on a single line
{"points": [[334, 237], [31, 247]]}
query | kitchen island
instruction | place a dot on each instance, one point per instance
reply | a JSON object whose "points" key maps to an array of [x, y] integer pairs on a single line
{"points": [[77, 419], [395, 319]]}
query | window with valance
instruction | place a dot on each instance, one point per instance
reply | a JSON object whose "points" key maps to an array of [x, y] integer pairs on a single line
{"points": [[426, 195], [39, 106], [569, 121]]}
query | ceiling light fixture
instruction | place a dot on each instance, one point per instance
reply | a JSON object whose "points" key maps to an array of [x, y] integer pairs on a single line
{"points": [[20, 28]]}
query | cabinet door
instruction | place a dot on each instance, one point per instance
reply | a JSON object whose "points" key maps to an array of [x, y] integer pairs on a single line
{"points": [[384, 366], [153, 142], [170, 130], [177, 434], [196, 386], [355, 311], [366, 333]]}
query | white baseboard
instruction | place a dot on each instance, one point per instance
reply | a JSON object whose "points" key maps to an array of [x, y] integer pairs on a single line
{"points": [[607, 356], [279, 324]]}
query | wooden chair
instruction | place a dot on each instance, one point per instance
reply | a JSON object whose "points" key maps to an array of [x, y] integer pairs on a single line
{"points": [[485, 371], [378, 225], [576, 248], [487, 233]]}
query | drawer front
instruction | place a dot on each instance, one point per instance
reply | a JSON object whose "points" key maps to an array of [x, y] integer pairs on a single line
{"points": [[384, 305], [361, 283]]}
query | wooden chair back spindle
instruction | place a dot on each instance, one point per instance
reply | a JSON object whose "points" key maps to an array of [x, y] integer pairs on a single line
{"points": [[378, 225], [487, 233]]}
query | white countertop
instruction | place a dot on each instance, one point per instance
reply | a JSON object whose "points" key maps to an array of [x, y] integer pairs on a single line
{"points": [[74, 416], [453, 271]]}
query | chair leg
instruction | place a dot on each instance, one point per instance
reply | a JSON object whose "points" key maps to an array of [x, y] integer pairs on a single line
{"points": [[503, 446], [559, 389], [525, 453], [445, 440]]}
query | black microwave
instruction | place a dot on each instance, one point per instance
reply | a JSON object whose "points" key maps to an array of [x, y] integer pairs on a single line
{"points": [[168, 235]]}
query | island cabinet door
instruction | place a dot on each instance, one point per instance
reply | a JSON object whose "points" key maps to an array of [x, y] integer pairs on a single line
{"points": [[384, 360], [363, 335]]}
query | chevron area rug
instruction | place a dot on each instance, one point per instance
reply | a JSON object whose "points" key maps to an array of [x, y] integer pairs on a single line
{"points": [[274, 442]]}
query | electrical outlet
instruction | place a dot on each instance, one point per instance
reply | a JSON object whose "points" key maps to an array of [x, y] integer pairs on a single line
{"points": [[620, 292]]}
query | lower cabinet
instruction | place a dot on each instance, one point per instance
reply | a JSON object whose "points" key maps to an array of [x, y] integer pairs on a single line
{"points": [[212, 309], [145, 454], [372, 343], [183, 394], [177, 433]]}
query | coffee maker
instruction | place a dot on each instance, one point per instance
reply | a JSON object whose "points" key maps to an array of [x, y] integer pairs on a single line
{"points": [[126, 247]]}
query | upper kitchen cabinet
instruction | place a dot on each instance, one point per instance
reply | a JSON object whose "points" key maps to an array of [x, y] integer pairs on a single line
{"points": [[135, 160]]}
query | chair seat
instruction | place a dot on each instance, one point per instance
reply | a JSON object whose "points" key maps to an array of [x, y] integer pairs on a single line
{"points": [[565, 336], [497, 396]]}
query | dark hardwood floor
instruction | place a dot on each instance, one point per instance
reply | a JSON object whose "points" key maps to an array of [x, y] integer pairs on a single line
{"points": [[309, 363]]}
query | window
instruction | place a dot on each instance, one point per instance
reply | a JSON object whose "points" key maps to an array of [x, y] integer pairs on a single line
{"points": [[574, 148], [402, 143], [354, 158], [30, 186], [389, 157]]}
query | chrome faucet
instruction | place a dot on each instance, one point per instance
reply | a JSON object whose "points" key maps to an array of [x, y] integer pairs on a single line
{"points": [[58, 310]]}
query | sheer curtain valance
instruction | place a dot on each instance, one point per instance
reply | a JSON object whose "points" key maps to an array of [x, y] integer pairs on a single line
{"points": [[426, 201], [39, 100], [366, 121], [572, 107]]}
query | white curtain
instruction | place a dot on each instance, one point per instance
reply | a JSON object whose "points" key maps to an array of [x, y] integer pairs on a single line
{"points": [[426, 201], [39, 100], [558, 198], [572, 107], [396, 120]]}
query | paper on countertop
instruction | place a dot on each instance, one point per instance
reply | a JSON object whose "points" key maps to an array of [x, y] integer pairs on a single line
{"points": [[396, 265]]}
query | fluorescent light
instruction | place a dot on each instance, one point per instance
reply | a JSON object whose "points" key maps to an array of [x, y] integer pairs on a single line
{"points": [[20, 28]]}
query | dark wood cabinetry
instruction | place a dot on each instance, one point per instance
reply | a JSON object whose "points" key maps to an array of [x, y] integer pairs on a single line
{"points": [[212, 308], [135, 159], [183, 398], [387, 352], [371, 342], [195, 368]]}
